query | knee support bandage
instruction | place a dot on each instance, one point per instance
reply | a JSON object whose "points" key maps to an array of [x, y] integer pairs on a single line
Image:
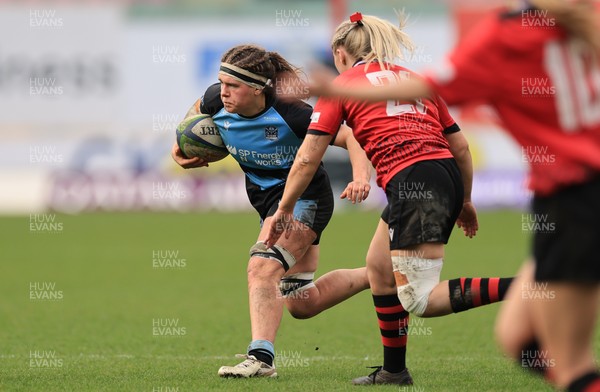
{"points": [[422, 276], [277, 252]]}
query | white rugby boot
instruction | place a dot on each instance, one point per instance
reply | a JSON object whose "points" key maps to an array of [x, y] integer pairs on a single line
{"points": [[251, 367]]}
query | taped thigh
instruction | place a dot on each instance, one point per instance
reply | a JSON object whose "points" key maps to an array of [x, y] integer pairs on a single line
{"points": [[291, 286]]}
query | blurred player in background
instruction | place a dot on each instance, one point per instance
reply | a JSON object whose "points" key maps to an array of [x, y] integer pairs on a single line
{"points": [[559, 118], [424, 165], [263, 135]]}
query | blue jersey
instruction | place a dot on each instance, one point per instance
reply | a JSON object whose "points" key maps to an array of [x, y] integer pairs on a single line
{"points": [[264, 145]]}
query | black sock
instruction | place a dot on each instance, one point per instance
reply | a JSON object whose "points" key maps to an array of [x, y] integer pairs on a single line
{"points": [[393, 326], [469, 293], [589, 382], [262, 355]]}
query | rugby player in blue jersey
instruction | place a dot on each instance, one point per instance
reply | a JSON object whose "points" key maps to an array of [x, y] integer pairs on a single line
{"points": [[263, 135]]}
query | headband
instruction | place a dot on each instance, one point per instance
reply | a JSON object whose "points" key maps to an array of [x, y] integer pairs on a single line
{"points": [[244, 76]]}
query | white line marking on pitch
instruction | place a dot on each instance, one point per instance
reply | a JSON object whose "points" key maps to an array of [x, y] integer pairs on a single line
{"points": [[179, 357]]}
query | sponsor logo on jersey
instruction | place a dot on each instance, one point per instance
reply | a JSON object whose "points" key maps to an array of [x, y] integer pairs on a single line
{"points": [[232, 150], [271, 133], [391, 234], [314, 118], [226, 124]]}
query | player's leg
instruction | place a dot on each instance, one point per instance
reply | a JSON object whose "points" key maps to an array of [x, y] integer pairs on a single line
{"points": [[514, 325], [565, 290], [265, 269], [417, 271], [425, 201], [264, 277], [566, 329], [305, 298], [529, 330], [391, 316]]}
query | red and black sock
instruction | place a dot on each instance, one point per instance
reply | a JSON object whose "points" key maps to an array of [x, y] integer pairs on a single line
{"points": [[587, 383], [393, 325], [469, 293]]}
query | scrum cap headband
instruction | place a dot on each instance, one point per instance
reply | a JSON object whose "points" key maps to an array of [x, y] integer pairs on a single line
{"points": [[244, 76]]}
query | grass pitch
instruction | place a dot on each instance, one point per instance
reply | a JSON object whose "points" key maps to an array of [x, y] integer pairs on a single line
{"points": [[158, 302]]}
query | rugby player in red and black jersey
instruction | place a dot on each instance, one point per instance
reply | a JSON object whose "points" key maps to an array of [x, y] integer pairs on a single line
{"points": [[424, 165], [540, 71]]}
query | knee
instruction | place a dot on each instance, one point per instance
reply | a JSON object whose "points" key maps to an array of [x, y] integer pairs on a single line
{"points": [[363, 283], [420, 277], [508, 340], [264, 269], [301, 310], [380, 276], [412, 301], [296, 290]]}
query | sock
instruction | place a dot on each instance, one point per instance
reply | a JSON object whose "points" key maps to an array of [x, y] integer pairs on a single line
{"points": [[469, 293], [263, 350], [587, 383], [393, 325]]}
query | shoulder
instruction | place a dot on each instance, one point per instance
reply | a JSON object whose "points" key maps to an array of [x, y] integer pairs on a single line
{"points": [[293, 110], [296, 115], [351, 75], [211, 100]]}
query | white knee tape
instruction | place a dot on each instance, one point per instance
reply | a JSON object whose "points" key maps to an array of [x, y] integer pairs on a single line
{"points": [[422, 275], [292, 285], [277, 252]]}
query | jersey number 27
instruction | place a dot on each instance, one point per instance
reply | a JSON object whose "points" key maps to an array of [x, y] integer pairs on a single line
{"points": [[393, 107]]}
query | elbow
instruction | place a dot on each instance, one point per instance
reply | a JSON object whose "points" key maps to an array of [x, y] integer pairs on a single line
{"points": [[306, 162], [461, 152]]}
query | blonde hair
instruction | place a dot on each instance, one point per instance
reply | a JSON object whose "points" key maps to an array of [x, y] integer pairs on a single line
{"points": [[374, 39]]}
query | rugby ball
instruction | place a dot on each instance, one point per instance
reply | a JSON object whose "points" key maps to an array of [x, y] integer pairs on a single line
{"points": [[198, 136]]}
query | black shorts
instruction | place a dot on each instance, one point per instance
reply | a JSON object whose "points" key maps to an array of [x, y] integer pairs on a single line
{"points": [[314, 207], [424, 201], [566, 232]]}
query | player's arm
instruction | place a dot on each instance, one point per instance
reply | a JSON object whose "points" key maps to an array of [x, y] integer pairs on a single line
{"points": [[177, 154], [459, 147], [358, 190], [578, 17], [305, 165], [406, 90]]}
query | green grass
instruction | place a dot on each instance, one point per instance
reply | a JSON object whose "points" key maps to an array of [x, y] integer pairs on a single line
{"points": [[101, 329]]}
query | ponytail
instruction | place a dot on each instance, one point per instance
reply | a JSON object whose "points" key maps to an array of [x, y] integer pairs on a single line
{"points": [[374, 39]]}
